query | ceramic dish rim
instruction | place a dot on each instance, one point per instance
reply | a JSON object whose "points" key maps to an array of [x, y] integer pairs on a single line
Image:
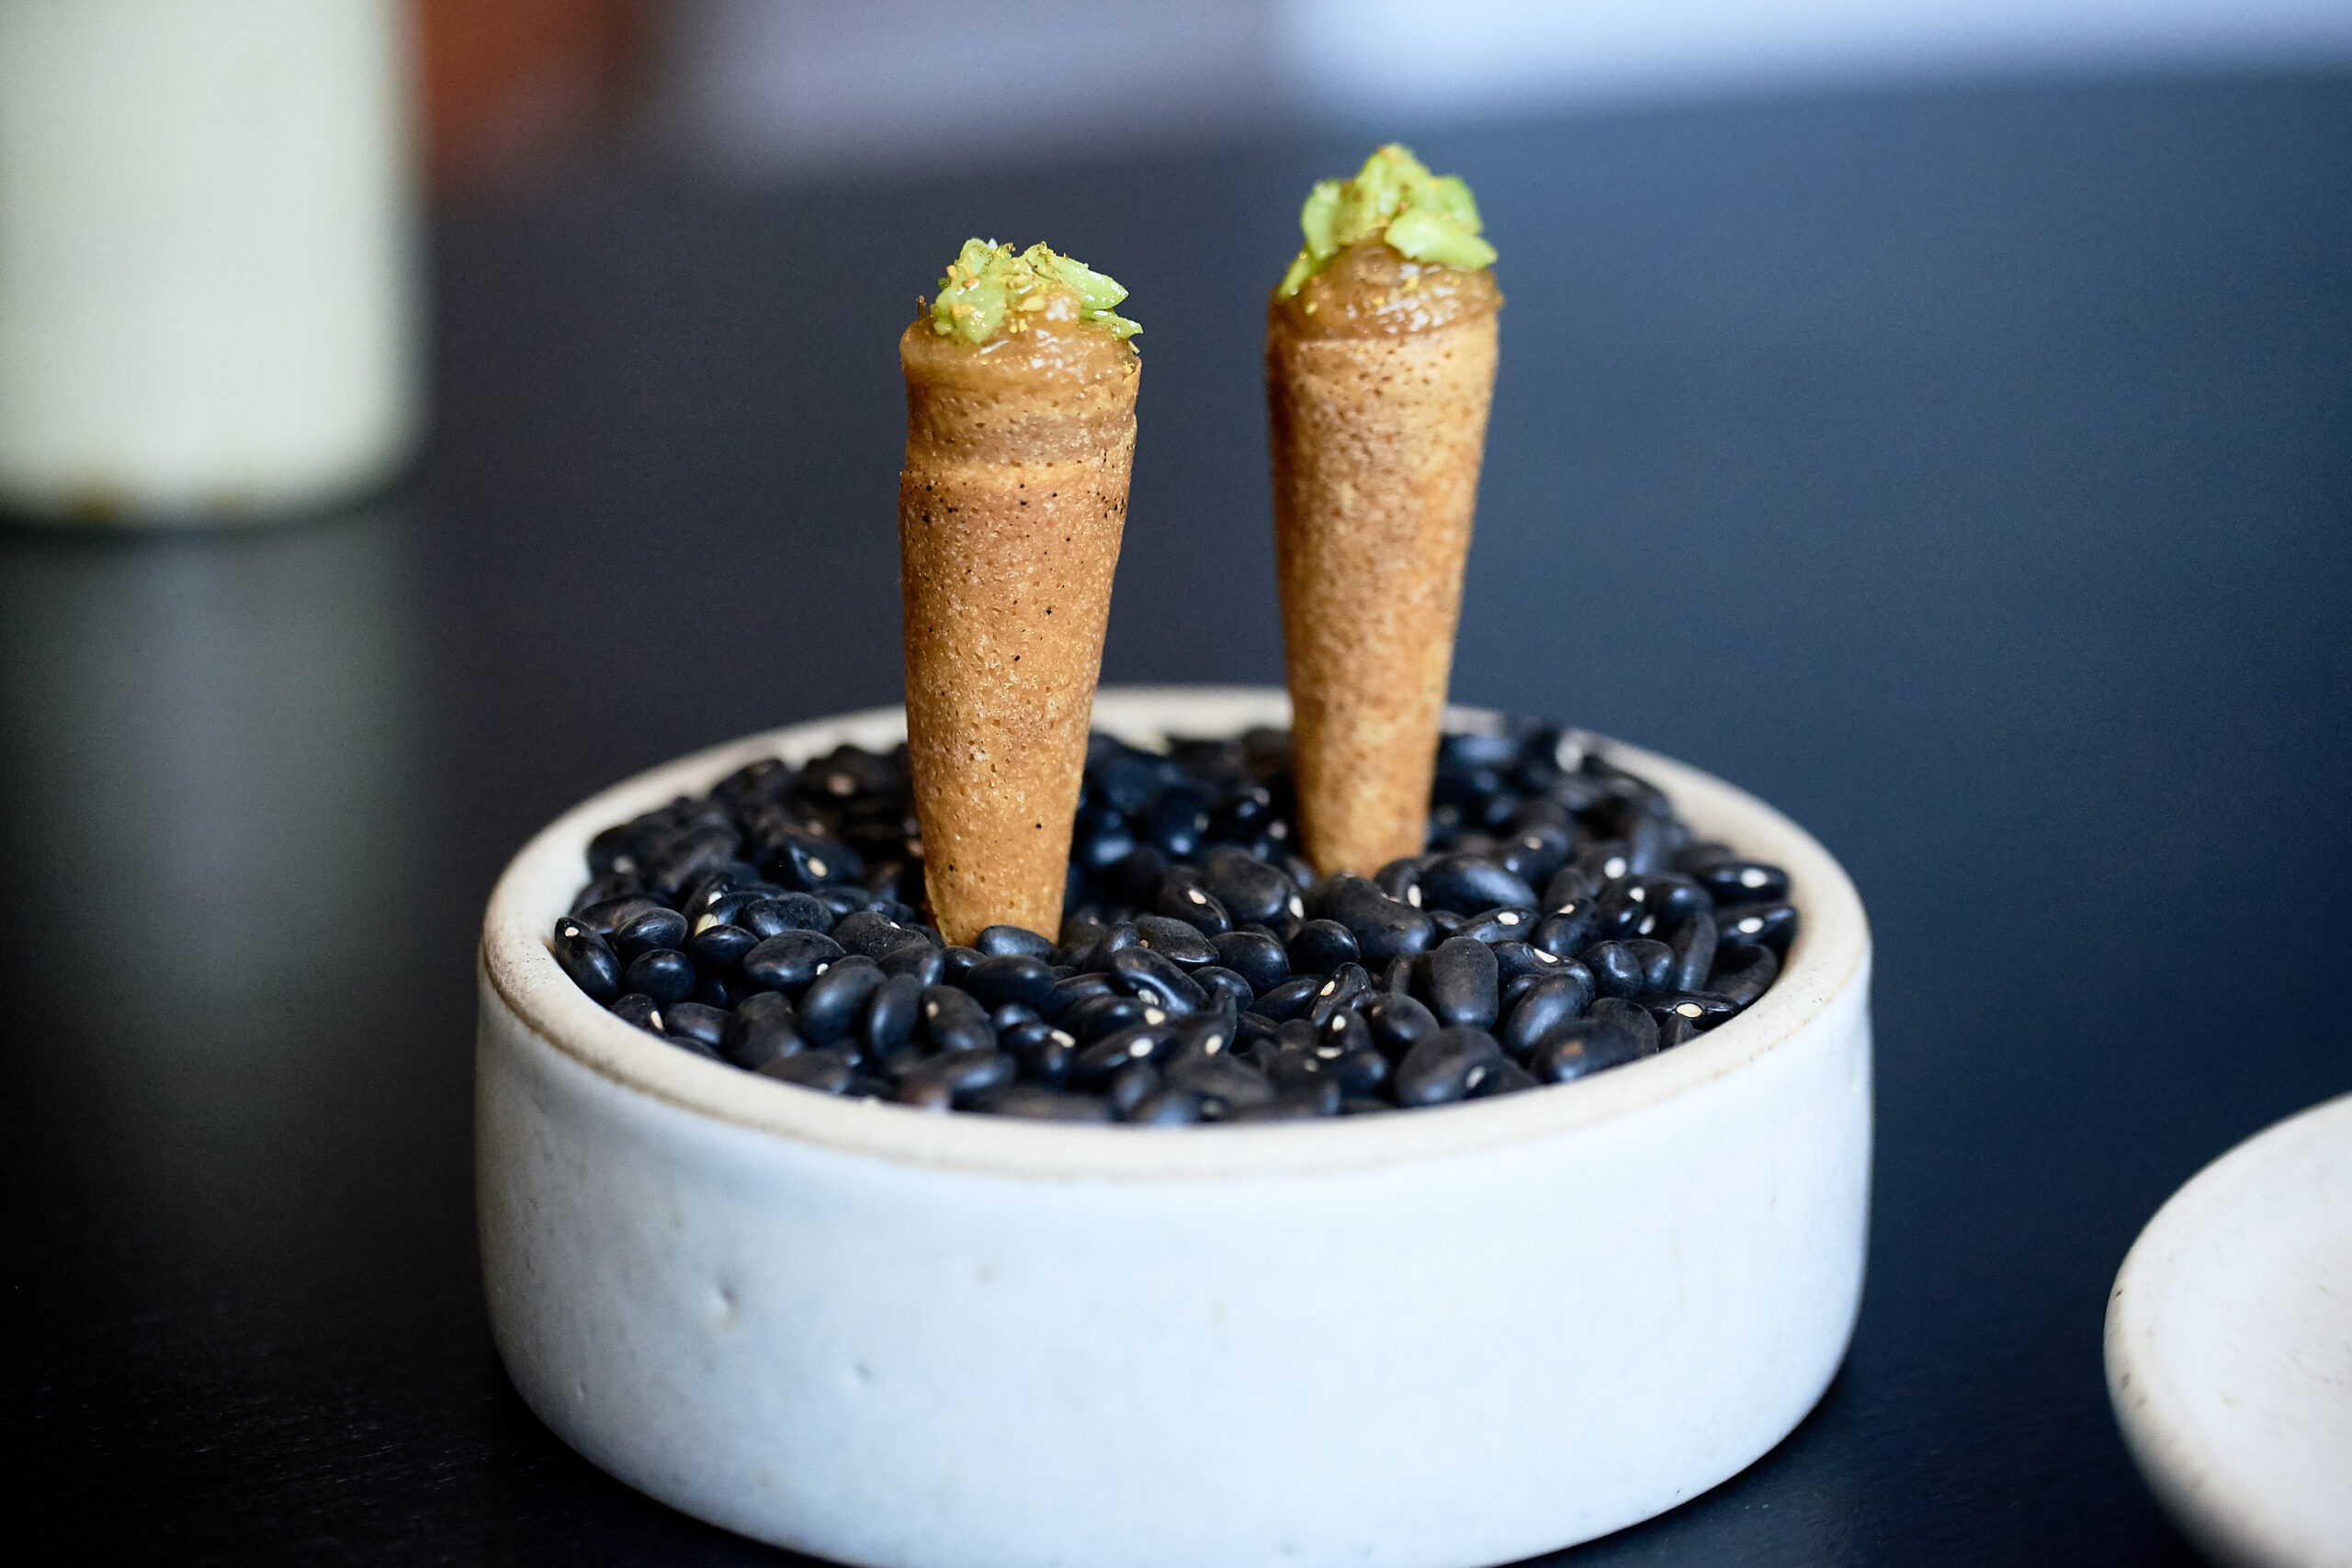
{"points": [[2179, 1455], [1829, 956]]}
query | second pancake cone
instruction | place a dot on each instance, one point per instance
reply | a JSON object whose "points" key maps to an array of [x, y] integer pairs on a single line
{"points": [[1378, 417]]}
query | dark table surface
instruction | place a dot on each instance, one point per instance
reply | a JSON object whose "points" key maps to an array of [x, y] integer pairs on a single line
{"points": [[1968, 471]]}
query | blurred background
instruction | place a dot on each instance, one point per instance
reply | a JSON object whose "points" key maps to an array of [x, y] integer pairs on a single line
{"points": [[1933, 416]]}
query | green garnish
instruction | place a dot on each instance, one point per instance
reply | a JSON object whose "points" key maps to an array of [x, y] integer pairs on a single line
{"points": [[1423, 217], [988, 289]]}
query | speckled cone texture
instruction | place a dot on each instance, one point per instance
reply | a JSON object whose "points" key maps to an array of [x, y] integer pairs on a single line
{"points": [[1377, 447], [1010, 515]]}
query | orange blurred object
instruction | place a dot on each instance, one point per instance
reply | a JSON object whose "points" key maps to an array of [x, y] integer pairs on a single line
{"points": [[511, 85]]}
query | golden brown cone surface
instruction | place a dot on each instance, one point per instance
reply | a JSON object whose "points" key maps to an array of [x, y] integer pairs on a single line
{"points": [[1010, 514], [1378, 400]]}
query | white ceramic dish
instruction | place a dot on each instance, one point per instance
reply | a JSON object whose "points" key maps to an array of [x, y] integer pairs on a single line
{"points": [[1428, 1339], [2229, 1348]]}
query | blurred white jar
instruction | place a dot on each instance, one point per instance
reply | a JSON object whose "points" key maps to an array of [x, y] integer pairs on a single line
{"points": [[207, 256]]}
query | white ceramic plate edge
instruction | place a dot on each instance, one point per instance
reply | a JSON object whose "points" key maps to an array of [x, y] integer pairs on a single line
{"points": [[2287, 1185]]}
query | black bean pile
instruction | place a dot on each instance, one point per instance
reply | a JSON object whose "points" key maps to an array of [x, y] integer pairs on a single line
{"points": [[1563, 920]]}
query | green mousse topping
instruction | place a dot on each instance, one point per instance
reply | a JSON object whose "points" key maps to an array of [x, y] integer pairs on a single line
{"points": [[990, 292], [1423, 217]]}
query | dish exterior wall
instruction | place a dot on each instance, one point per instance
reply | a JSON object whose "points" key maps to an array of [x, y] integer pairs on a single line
{"points": [[1443, 1358]]}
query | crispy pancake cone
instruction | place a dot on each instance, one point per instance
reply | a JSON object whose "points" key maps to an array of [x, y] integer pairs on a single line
{"points": [[1010, 515], [1378, 398]]}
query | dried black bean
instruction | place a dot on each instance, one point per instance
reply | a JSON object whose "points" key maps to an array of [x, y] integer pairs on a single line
{"points": [[1770, 925], [1582, 1046], [835, 1001], [1549, 1003], [1471, 884], [664, 974], [1360, 1072], [716, 949], [1291, 1068], [871, 934], [830, 1071], [692, 1021], [1501, 926], [842, 902], [1509, 1078], [1010, 941], [926, 965], [936, 1083], [1021, 978], [1401, 878], [1322, 946], [649, 929], [1222, 1082], [789, 960], [604, 889], [1616, 968], [716, 883], [1464, 984], [760, 1030], [1130, 1087], [1255, 956], [1072, 989], [1657, 959], [1731, 879], [1743, 971], [1166, 1107], [1290, 999], [892, 1013], [1536, 849], [1135, 878], [1630, 1016], [1694, 943], [1044, 1052], [953, 1020], [1250, 1027], [1700, 1010], [1524, 960], [607, 916], [1382, 926], [1397, 1021], [1446, 1067], [1226, 990], [1182, 897], [585, 956], [1569, 929], [1145, 974], [1175, 941], [1249, 888], [688, 856], [1091, 1018], [636, 1008], [768, 917], [1139, 1042], [1347, 985]]}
